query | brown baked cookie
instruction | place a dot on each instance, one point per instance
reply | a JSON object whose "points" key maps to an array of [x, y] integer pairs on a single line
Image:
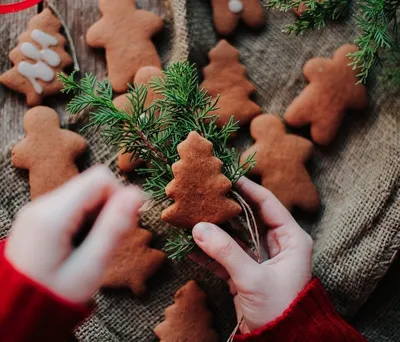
{"points": [[125, 33], [188, 319], [144, 75], [280, 159], [39, 56], [225, 76], [133, 262], [227, 14], [199, 188], [332, 90], [47, 151]]}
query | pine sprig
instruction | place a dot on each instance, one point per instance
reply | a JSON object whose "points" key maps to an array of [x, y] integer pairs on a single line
{"points": [[378, 24], [315, 15], [179, 244], [378, 40], [153, 133]]}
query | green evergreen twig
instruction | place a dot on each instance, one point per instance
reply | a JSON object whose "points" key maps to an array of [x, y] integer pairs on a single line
{"points": [[153, 133]]}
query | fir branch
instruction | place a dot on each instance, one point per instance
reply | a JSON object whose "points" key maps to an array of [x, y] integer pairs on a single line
{"points": [[179, 244], [315, 15], [375, 19]]}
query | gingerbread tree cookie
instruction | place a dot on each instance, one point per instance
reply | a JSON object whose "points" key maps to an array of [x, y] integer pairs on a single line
{"points": [[332, 90], [188, 319], [280, 159], [227, 14], [125, 33], [39, 56], [48, 152], [225, 76], [133, 262], [199, 188], [144, 75]]}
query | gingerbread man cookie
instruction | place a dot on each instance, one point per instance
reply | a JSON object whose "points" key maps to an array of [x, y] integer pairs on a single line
{"points": [[227, 14], [144, 75], [188, 319], [133, 262], [39, 56], [225, 76], [199, 188], [48, 152], [332, 90], [280, 159], [125, 33]]}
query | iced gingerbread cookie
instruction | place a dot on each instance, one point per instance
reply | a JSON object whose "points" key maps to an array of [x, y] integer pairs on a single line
{"points": [[125, 33], [47, 151], [188, 319], [228, 13], [39, 56], [144, 75], [280, 159], [199, 188], [332, 90]]}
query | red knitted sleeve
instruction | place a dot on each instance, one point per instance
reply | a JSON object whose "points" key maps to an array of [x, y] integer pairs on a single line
{"points": [[30, 312], [311, 317]]}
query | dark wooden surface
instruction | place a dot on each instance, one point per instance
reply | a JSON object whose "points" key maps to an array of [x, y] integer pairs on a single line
{"points": [[78, 15]]}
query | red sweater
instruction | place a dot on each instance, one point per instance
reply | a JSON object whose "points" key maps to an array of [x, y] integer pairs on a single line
{"points": [[29, 313]]}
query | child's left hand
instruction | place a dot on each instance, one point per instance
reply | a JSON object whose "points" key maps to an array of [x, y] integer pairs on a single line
{"points": [[40, 244]]}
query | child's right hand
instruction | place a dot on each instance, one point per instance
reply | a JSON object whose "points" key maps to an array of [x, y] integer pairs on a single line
{"points": [[261, 291], [40, 244]]}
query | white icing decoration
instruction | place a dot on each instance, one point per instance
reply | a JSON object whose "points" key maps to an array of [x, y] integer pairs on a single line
{"points": [[235, 6], [45, 58]]}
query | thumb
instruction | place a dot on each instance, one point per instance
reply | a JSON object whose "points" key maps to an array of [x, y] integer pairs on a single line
{"points": [[218, 245]]}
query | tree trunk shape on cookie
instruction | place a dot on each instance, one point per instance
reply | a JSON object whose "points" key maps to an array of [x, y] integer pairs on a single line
{"points": [[39, 56], [199, 188], [188, 319], [47, 151], [226, 76], [133, 262], [144, 75]]}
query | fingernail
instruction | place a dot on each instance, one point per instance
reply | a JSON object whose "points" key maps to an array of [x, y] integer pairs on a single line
{"points": [[202, 231]]}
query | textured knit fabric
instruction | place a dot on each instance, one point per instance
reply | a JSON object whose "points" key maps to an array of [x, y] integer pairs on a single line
{"points": [[311, 317], [356, 231], [29, 312]]}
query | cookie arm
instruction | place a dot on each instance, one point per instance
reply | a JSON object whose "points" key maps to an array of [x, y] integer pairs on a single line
{"points": [[77, 144], [96, 37], [301, 110], [20, 155]]}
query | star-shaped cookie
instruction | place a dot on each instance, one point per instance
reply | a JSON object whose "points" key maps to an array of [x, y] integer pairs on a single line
{"points": [[280, 159], [133, 262], [125, 33]]}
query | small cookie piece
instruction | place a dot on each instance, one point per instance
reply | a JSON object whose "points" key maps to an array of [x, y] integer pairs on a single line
{"points": [[47, 151], [280, 159], [144, 75], [227, 13], [133, 262], [332, 90], [188, 319], [39, 56], [125, 33], [199, 188], [225, 76]]}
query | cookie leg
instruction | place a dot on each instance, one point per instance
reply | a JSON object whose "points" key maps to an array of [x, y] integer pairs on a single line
{"points": [[253, 14], [224, 20]]}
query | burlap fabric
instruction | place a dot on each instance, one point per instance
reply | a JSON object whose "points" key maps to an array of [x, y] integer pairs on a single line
{"points": [[356, 232]]}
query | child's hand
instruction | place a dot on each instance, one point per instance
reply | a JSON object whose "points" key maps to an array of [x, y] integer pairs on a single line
{"points": [[262, 291], [40, 244]]}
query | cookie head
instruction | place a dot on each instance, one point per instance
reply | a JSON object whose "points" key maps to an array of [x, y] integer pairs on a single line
{"points": [[41, 118]]}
